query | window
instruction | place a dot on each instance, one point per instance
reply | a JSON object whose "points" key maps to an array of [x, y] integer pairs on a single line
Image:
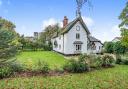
{"points": [[55, 44], [78, 28], [59, 46], [99, 47], [60, 37], [93, 46], [77, 36], [78, 47]]}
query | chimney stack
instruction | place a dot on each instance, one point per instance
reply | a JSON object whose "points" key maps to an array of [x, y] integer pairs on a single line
{"points": [[65, 21]]}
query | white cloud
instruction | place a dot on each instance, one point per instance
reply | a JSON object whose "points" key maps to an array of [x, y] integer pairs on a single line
{"points": [[116, 31], [1, 3], [51, 21], [107, 33], [89, 21]]}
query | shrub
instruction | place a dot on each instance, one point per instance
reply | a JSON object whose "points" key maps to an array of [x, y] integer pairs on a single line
{"points": [[93, 61], [108, 61], [118, 59], [108, 47], [125, 62], [76, 66], [96, 62], [42, 67], [16, 67], [118, 48], [5, 71]]}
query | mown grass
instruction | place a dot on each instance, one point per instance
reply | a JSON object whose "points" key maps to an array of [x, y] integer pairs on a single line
{"points": [[112, 78], [30, 59]]}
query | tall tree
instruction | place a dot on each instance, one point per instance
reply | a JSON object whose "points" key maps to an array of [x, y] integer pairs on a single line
{"points": [[49, 32], [8, 41], [124, 26]]}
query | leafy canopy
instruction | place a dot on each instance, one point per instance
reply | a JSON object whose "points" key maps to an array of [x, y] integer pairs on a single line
{"points": [[124, 26], [8, 41]]}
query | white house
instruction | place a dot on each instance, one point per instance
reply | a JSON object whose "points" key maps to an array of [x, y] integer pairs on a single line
{"points": [[75, 38]]}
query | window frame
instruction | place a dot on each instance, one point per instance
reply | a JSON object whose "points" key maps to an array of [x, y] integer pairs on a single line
{"points": [[77, 36]]}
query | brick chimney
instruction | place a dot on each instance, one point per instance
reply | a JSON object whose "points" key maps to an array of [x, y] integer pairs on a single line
{"points": [[65, 21]]}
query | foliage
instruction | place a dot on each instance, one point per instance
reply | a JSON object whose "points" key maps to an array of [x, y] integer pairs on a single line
{"points": [[125, 61], [16, 66], [108, 61], [8, 41], [48, 33], [96, 62], [112, 78], [124, 34], [124, 31], [5, 71], [42, 66], [119, 59], [109, 47], [6, 24], [34, 45], [115, 47], [93, 61], [76, 66], [86, 62], [47, 47], [118, 48]]}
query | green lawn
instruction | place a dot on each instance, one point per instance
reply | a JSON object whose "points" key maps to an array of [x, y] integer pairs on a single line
{"points": [[112, 78], [30, 59]]}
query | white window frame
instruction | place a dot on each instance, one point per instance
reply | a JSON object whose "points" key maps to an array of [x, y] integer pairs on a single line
{"points": [[78, 47]]}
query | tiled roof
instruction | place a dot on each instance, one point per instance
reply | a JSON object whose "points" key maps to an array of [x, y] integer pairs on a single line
{"points": [[93, 39], [70, 25]]}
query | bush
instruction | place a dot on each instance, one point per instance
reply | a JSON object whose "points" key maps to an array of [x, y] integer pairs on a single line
{"points": [[108, 61], [16, 67], [5, 71], [76, 66], [42, 67], [118, 59], [93, 61], [108, 47], [125, 62], [96, 62]]}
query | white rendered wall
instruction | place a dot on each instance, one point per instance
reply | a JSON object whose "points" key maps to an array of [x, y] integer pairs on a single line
{"points": [[70, 38]]}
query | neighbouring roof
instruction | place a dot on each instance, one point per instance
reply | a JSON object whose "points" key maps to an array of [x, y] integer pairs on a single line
{"points": [[70, 25], [78, 42], [119, 38]]}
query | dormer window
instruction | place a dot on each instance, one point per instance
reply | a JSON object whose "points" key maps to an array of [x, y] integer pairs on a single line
{"points": [[78, 28]]}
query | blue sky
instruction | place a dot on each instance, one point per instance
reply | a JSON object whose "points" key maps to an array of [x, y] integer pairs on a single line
{"points": [[33, 15]]}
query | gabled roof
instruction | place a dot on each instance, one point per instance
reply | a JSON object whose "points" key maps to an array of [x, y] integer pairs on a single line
{"points": [[93, 39], [71, 24]]}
